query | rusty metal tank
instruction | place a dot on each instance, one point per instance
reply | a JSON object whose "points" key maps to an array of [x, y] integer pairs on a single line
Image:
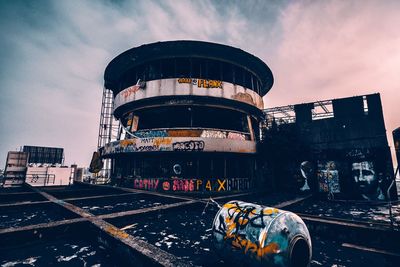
{"points": [[252, 235]]}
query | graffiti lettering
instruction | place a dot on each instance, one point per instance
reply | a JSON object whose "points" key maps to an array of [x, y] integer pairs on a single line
{"points": [[238, 184], [209, 83], [147, 184], [183, 185], [221, 185], [202, 82], [199, 182], [187, 80], [151, 134], [129, 91], [236, 136], [188, 146], [213, 134], [208, 185], [166, 186], [189, 185], [357, 153]]}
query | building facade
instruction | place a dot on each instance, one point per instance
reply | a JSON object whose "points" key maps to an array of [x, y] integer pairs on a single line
{"points": [[335, 148], [189, 115]]}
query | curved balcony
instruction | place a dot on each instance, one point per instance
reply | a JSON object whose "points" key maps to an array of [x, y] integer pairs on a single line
{"points": [[182, 140], [188, 87]]}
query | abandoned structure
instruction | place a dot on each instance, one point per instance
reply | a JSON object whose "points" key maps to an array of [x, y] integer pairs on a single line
{"points": [[188, 116], [333, 147], [37, 166]]}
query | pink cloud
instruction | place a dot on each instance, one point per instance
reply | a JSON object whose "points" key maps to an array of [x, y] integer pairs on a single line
{"points": [[333, 49]]}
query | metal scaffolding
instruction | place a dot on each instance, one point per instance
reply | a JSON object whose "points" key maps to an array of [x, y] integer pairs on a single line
{"points": [[108, 132], [286, 114]]}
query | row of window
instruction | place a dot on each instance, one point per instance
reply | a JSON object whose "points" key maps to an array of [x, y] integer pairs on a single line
{"points": [[198, 68], [186, 117], [184, 166]]}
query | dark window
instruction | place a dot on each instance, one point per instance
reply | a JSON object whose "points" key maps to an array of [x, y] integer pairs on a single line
{"points": [[227, 72], [196, 65], [183, 67], [214, 70], [168, 68]]}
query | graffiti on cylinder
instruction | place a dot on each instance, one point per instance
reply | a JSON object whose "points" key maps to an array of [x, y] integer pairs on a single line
{"points": [[191, 145], [328, 177], [152, 144], [238, 217], [366, 180], [236, 136], [202, 82], [151, 134], [257, 234], [213, 134], [189, 185], [182, 86]]}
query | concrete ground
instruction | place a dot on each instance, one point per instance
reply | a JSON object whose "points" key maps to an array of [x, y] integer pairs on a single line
{"points": [[87, 225]]}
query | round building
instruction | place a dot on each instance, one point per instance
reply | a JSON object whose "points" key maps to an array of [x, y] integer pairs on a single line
{"points": [[189, 113]]}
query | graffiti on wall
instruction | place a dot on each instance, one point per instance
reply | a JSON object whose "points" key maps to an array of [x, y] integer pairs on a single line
{"points": [[215, 88], [236, 136], [306, 171], [190, 185], [138, 145], [367, 181], [213, 134], [191, 133], [152, 141], [133, 89], [151, 134], [191, 145], [202, 83], [328, 177]]}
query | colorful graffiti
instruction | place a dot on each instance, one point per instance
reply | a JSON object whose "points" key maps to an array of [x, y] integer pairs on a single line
{"points": [[146, 184], [189, 185], [202, 82], [181, 86], [257, 233], [151, 134], [328, 177], [190, 133]]}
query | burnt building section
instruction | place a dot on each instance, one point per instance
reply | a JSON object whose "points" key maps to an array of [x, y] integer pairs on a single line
{"points": [[188, 114], [337, 148]]}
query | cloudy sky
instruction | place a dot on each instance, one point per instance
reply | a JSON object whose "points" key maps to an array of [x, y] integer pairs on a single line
{"points": [[53, 56]]}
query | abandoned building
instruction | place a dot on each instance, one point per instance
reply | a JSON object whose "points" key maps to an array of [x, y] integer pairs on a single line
{"points": [[335, 148], [188, 115]]}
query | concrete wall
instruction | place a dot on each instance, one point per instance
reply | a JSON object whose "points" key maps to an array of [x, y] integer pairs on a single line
{"points": [[188, 86], [48, 176]]}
